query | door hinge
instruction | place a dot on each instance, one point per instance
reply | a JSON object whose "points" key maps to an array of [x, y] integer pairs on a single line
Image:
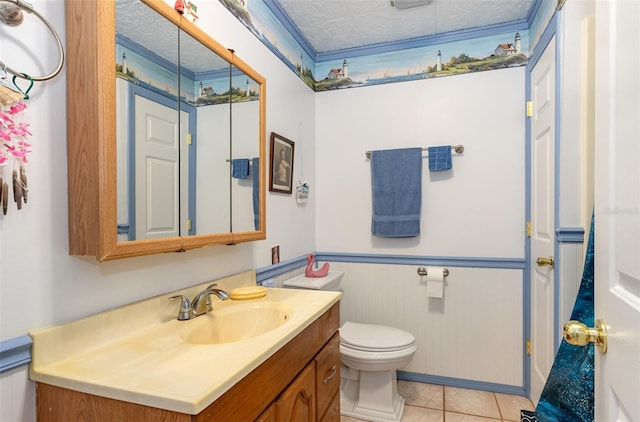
{"points": [[528, 347], [528, 228], [529, 108], [188, 139], [189, 224]]}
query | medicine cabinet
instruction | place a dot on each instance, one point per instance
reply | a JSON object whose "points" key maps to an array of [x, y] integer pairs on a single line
{"points": [[158, 116]]}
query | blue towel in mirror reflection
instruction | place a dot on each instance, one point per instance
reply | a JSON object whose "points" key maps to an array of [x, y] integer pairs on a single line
{"points": [[240, 168], [396, 180], [255, 163], [439, 158]]}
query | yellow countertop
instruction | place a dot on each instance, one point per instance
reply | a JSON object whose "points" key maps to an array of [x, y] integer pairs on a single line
{"points": [[138, 352]]}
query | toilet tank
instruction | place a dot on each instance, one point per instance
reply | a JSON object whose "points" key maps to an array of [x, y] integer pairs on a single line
{"points": [[331, 282]]}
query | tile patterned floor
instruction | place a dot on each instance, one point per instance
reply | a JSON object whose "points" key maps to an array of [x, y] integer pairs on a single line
{"points": [[436, 403]]}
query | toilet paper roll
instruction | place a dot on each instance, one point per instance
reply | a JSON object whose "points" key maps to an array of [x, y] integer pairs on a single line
{"points": [[435, 282]]}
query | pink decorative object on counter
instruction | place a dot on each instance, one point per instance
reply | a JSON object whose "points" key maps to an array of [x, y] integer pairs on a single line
{"points": [[310, 272]]}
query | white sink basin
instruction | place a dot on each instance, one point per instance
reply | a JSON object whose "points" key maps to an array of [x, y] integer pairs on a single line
{"points": [[237, 322]]}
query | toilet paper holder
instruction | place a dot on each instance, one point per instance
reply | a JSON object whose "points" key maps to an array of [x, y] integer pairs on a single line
{"points": [[423, 271]]}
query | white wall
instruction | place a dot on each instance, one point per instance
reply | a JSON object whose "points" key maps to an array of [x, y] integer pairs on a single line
{"points": [[41, 285], [475, 210]]}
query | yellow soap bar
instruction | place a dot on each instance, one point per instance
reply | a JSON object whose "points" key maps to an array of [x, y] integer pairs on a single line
{"points": [[248, 292]]}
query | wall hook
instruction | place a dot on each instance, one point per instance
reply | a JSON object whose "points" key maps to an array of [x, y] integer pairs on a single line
{"points": [[27, 77]]}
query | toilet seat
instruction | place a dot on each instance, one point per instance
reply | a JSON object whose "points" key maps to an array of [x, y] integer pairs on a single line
{"points": [[374, 338]]}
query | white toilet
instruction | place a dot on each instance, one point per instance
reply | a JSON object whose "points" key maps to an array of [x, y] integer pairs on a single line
{"points": [[370, 355]]}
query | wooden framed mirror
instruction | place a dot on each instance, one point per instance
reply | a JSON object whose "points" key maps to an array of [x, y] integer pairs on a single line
{"points": [[153, 138]]}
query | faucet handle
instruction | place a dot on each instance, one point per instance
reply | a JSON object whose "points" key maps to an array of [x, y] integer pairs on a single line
{"points": [[185, 307]]}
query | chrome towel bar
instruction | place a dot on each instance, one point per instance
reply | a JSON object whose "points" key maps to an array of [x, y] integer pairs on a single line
{"points": [[459, 149]]}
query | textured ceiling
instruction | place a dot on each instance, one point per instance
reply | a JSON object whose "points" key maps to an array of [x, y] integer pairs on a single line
{"points": [[133, 20], [330, 25]]}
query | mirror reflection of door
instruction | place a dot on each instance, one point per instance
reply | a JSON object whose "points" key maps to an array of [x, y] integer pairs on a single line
{"points": [[173, 173], [159, 188], [148, 187], [179, 70]]}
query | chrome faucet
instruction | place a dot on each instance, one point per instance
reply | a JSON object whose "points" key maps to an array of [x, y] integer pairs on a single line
{"points": [[200, 305]]}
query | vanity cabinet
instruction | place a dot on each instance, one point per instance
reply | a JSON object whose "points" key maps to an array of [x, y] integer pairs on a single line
{"points": [[315, 393], [297, 383]]}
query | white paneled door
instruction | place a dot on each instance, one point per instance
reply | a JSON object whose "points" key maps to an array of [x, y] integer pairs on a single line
{"points": [[158, 190], [542, 217], [617, 213]]}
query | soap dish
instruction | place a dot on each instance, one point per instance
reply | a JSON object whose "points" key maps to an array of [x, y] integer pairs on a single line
{"points": [[248, 292]]}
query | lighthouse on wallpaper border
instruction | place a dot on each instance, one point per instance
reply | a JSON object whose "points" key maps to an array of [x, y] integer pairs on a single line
{"points": [[508, 49], [338, 73]]}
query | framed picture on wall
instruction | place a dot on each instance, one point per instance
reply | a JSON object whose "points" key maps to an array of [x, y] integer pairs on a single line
{"points": [[281, 174]]}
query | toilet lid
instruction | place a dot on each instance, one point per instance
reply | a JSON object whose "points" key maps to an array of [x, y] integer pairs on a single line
{"points": [[369, 337]]}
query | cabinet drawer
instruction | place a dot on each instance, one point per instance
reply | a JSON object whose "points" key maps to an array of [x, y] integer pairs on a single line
{"points": [[327, 363]]}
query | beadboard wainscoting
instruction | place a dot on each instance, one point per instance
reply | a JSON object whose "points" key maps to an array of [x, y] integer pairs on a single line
{"points": [[474, 337], [17, 396], [570, 263]]}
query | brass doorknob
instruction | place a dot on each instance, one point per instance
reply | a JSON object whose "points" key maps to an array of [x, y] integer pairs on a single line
{"points": [[578, 334], [545, 261]]}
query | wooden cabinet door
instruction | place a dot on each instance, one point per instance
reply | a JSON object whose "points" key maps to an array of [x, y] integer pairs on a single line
{"points": [[327, 363], [297, 403], [332, 414], [268, 415]]}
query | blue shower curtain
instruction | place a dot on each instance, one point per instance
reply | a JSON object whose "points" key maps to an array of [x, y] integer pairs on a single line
{"points": [[568, 393]]}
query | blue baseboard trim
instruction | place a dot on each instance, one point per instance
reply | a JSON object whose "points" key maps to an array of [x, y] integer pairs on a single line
{"points": [[474, 262], [570, 234], [462, 383], [265, 273], [15, 352]]}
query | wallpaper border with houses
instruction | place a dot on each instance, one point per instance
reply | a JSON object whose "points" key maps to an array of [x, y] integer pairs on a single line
{"points": [[489, 48]]}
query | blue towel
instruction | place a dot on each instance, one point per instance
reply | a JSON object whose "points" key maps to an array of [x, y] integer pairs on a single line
{"points": [[439, 158], [255, 174], [240, 168], [396, 180]]}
